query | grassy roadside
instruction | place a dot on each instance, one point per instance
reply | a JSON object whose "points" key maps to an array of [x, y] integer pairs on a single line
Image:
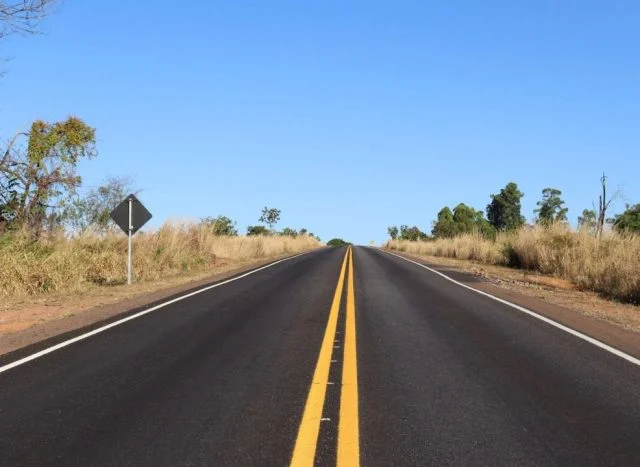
{"points": [[609, 266], [61, 264]]}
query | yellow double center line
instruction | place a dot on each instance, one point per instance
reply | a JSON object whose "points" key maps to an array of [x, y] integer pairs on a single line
{"points": [[348, 428]]}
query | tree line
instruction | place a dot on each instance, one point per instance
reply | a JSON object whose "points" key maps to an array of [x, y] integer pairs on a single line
{"points": [[503, 213], [269, 218]]}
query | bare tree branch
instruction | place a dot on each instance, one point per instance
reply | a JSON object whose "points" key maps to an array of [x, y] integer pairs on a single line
{"points": [[22, 16]]}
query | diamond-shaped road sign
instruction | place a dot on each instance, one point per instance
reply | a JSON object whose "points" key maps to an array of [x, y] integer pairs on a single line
{"points": [[139, 215]]}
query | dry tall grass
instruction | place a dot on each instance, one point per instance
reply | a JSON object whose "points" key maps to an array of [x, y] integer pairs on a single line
{"points": [[610, 266], [63, 264]]}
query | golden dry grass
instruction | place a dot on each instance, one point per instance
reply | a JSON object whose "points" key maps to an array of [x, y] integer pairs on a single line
{"points": [[610, 266], [64, 264]]}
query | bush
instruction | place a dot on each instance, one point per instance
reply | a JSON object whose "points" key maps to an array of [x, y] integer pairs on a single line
{"points": [[258, 230], [337, 242]]}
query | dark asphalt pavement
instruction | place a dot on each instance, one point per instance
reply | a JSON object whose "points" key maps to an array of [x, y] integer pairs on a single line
{"points": [[445, 377]]}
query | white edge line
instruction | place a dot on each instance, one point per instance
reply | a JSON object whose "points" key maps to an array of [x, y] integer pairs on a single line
{"points": [[53, 348], [573, 332]]}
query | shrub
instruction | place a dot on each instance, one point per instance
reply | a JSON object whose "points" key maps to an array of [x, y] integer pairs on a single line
{"points": [[337, 242]]}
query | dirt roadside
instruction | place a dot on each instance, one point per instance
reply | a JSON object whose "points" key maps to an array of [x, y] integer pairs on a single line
{"points": [[615, 324], [27, 322]]}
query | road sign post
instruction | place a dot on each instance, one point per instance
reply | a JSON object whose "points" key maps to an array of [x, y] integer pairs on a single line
{"points": [[130, 215], [130, 237]]}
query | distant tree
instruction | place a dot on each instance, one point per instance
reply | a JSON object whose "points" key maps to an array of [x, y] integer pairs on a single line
{"points": [[303, 231], [503, 212], [42, 172], [629, 220], [393, 232], [587, 221], [258, 230], [270, 216], [337, 242], [289, 232], [463, 219], [468, 220], [551, 207], [222, 226], [444, 226], [95, 208], [411, 233]]}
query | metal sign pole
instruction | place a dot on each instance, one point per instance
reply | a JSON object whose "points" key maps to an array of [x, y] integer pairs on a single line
{"points": [[130, 235], [130, 215]]}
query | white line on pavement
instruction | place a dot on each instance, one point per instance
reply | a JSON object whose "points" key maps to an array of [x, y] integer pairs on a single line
{"points": [[53, 348], [573, 332]]}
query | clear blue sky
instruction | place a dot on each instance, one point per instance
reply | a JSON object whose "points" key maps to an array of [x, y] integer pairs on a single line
{"points": [[349, 116]]}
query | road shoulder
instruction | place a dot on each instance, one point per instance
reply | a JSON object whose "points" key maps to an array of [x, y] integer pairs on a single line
{"points": [[610, 333]]}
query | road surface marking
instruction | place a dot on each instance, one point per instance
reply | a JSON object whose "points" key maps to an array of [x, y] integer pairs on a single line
{"points": [[304, 452], [53, 348], [348, 429], [573, 332]]}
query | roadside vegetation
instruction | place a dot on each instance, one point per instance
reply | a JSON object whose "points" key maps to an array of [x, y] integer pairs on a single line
{"points": [[62, 263], [56, 237], [601, 255]]}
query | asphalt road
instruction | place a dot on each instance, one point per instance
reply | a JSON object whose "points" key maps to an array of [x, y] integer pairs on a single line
{"points": [[320, 359]]}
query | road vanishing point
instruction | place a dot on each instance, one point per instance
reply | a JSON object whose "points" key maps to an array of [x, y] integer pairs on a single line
{"points": [[345, 356]]}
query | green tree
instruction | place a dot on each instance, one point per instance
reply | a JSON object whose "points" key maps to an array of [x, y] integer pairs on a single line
{"points": [[503, 212], [222, 226], [393, 232], [587, 221], [551, 207], [270, 216], [629, 220], [464, 218], [444, 226], [468, 220], [289, 232], [43, 171], [337, 242], [303, 231], [411, 233], [258, 230]]}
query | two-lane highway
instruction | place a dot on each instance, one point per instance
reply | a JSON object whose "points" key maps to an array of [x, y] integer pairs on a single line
{"points": [[340, 356]]}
